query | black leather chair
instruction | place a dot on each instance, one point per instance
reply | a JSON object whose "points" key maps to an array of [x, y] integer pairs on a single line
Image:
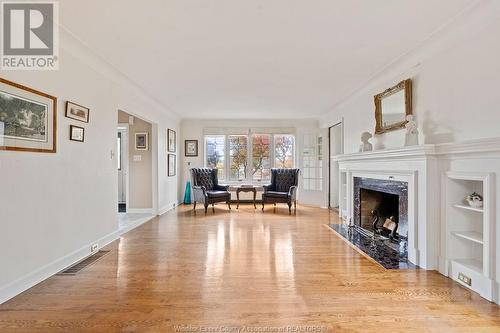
{"points": [[206, 188], [283, 188]]}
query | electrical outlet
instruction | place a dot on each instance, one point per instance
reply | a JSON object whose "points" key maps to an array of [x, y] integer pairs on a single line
{"points": [[465, 279], [94, 248]]}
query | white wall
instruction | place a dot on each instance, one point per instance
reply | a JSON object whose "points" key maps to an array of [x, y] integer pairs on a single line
{"points": [[139, 171], [192, 129], [53, 206], [455, 87]]}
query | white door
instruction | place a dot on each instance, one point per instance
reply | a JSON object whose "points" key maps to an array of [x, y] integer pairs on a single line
{"points": [[336, 144], [313, 166], [122, 162]]}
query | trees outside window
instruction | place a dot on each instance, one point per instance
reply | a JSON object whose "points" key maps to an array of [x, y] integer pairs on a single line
{"points": [[284, 151], [238, 156], [250, 157], [261, 166], [215, 153]]}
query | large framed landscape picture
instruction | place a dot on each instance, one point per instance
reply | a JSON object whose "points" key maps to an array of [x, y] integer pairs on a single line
{"points": [[27, 119]]}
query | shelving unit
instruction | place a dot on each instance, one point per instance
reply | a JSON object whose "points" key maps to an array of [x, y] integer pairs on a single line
{"points": [[473, 236], [477, 210], [469, 250]]}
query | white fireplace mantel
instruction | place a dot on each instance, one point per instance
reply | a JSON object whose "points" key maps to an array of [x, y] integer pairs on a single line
{"points": [[418, 167], [425, 167], [406, 152]]}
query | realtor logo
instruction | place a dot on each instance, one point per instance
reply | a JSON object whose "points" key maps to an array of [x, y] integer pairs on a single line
{"points": [[29, 36]]}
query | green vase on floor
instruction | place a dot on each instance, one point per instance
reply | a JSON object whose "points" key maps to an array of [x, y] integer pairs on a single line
{"points": [[187, 193]]}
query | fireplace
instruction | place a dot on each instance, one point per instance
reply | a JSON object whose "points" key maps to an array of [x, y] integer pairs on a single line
{"points": [[381, 208], [379, 213]]}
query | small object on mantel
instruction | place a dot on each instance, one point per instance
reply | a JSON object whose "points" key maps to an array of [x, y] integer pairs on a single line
{"points": [[365, 144], [475, 200], [411, 138]]}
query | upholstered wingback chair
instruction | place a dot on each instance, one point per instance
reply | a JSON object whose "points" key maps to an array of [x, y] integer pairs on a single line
{"points": [[283, 188], [206, 188]]}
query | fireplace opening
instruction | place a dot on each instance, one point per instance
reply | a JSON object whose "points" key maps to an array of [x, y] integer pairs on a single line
{"points": [[380, 213]]}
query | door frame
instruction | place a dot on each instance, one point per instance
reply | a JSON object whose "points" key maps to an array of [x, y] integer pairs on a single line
{"points": [[341, 124], [125, 162]]}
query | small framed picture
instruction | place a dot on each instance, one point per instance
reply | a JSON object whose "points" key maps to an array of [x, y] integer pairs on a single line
{"points": [[190, 148], [77, 112], [171, 140], [141, 141], [171, 165], [76, 133]]}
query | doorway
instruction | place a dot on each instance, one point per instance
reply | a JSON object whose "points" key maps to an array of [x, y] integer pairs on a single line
{"points": [[122, 166], [335, 147]]}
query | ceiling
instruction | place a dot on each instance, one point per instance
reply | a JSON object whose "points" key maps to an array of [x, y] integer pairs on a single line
{"points": [[253, 58]]}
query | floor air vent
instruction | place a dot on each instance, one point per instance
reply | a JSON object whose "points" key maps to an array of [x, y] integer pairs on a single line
{"points": [[79, 266]]}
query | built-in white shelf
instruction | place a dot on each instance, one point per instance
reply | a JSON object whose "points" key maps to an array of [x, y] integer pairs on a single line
{"points": [[468, 235], [473, 264], [477, 210], [473, 236]]}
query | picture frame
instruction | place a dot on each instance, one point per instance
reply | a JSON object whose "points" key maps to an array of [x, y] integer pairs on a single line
{"points": [[142, 141], [191, 148], [171, 165], [76, 133], [171, 141], [28, 119], [77, 112]]}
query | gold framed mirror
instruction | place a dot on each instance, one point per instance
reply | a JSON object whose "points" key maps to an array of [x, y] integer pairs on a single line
{"points": [[392, 106]]}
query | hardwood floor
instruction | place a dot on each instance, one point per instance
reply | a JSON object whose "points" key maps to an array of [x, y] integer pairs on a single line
{"points": [[240, 269]]}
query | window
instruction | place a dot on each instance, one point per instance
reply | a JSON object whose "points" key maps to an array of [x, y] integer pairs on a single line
{"points": [[250, 157], [261, 161], [312, 168], [215, 148], [238, 156], [283, 151]]}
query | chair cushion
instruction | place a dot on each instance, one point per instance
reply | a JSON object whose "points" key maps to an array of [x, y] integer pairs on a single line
{"points": [[217, 194], [274, 194]]}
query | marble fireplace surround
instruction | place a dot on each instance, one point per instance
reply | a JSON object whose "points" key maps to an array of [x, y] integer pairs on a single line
{"points": [[418, 167], [400, 189]]}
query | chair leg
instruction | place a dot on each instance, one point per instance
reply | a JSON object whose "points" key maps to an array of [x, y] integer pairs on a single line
{"points": [[262, 205], [295, 206], [290, 208], [229, 204], [194, 208], [206, 207], [213, 208]]}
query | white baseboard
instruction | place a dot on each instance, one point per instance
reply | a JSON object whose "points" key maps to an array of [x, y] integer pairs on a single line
{"points": [[140, 210], [167, 208], [135, 224], [29, 280]]}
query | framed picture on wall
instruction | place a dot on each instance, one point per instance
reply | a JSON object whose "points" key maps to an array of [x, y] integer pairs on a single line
{"points": [[141, 141], [27, 119], [191, 148], [77, 112], [171, 164], [76, 133], [171, 137]]}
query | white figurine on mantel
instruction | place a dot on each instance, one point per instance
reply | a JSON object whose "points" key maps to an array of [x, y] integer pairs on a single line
{"points": [[365, 145], [411, 138]]}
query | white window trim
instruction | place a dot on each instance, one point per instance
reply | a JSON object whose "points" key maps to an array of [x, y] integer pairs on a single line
{"points": [[249, 133]]}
